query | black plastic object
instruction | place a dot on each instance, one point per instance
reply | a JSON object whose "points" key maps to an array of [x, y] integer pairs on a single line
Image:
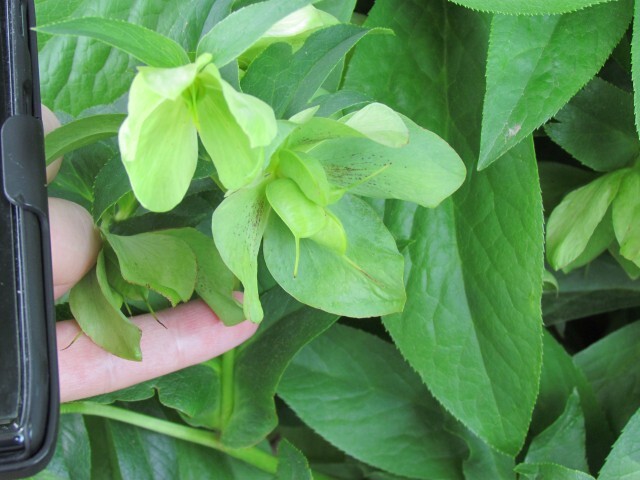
{"points": [[29, 402]]}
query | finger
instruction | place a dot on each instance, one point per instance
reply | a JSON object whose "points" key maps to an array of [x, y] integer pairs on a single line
{"points": [[75, 243], [50, 123], [193, 334]]}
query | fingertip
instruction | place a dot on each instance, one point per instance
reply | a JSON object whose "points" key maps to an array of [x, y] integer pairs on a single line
{"points": [[75, 243]]}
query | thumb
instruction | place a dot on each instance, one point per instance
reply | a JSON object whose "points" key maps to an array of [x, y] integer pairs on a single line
{"points": [[75, 243]]}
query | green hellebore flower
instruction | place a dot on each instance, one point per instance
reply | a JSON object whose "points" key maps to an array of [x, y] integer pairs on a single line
{"points": [[168, 108]]}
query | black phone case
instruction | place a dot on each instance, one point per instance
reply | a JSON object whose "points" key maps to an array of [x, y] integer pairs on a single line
{"points": [[29, 396]]}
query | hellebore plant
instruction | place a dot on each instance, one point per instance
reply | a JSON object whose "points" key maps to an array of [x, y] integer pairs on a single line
{"points": [[295, 182], [246, 145]]}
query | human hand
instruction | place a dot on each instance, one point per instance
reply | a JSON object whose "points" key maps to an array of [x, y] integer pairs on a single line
{"points": [[192, 335]]}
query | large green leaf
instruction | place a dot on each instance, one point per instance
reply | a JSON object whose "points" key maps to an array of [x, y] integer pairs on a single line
{"points": [[78, 73], [142, 43], [237, 32], [72, 458], [260, 364], [597, 127], [537, 63], [369, 384], [624, 460], [101, 321], [474, 264], [364, 281], [528, 7], [611, 365]]}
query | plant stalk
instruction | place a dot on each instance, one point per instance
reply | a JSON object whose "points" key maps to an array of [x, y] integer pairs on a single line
{"points": [[252, 455]]}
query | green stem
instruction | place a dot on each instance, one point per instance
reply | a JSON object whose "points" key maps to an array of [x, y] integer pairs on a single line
{"points": [[252, 456], [227, 386]]}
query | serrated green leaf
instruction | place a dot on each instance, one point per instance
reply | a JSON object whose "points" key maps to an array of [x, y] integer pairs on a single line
{"points": [[539, 471], [573, 222], [365, 281], [544, 60], [161, 262], [215, 283], [287, 80], [238, 225], [72, 457], [425, 171], [259, 365], [292, 464], [624, 460], [626, 217], [611, 365], [367, 381], [81, 133], [78, 73], [563, 442], [101, 322], [237, 32], [528, 7], [597, 127], [482, 259], [151, 48]]}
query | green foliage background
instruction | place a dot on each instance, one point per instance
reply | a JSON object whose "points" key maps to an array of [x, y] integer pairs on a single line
{"points": [[484, 374]]}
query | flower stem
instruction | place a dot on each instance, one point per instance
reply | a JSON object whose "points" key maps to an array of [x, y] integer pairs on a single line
{"points": [[252, 456]]}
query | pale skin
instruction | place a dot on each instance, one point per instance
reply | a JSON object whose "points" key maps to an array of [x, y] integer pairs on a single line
{"points": [[192, 335]]}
